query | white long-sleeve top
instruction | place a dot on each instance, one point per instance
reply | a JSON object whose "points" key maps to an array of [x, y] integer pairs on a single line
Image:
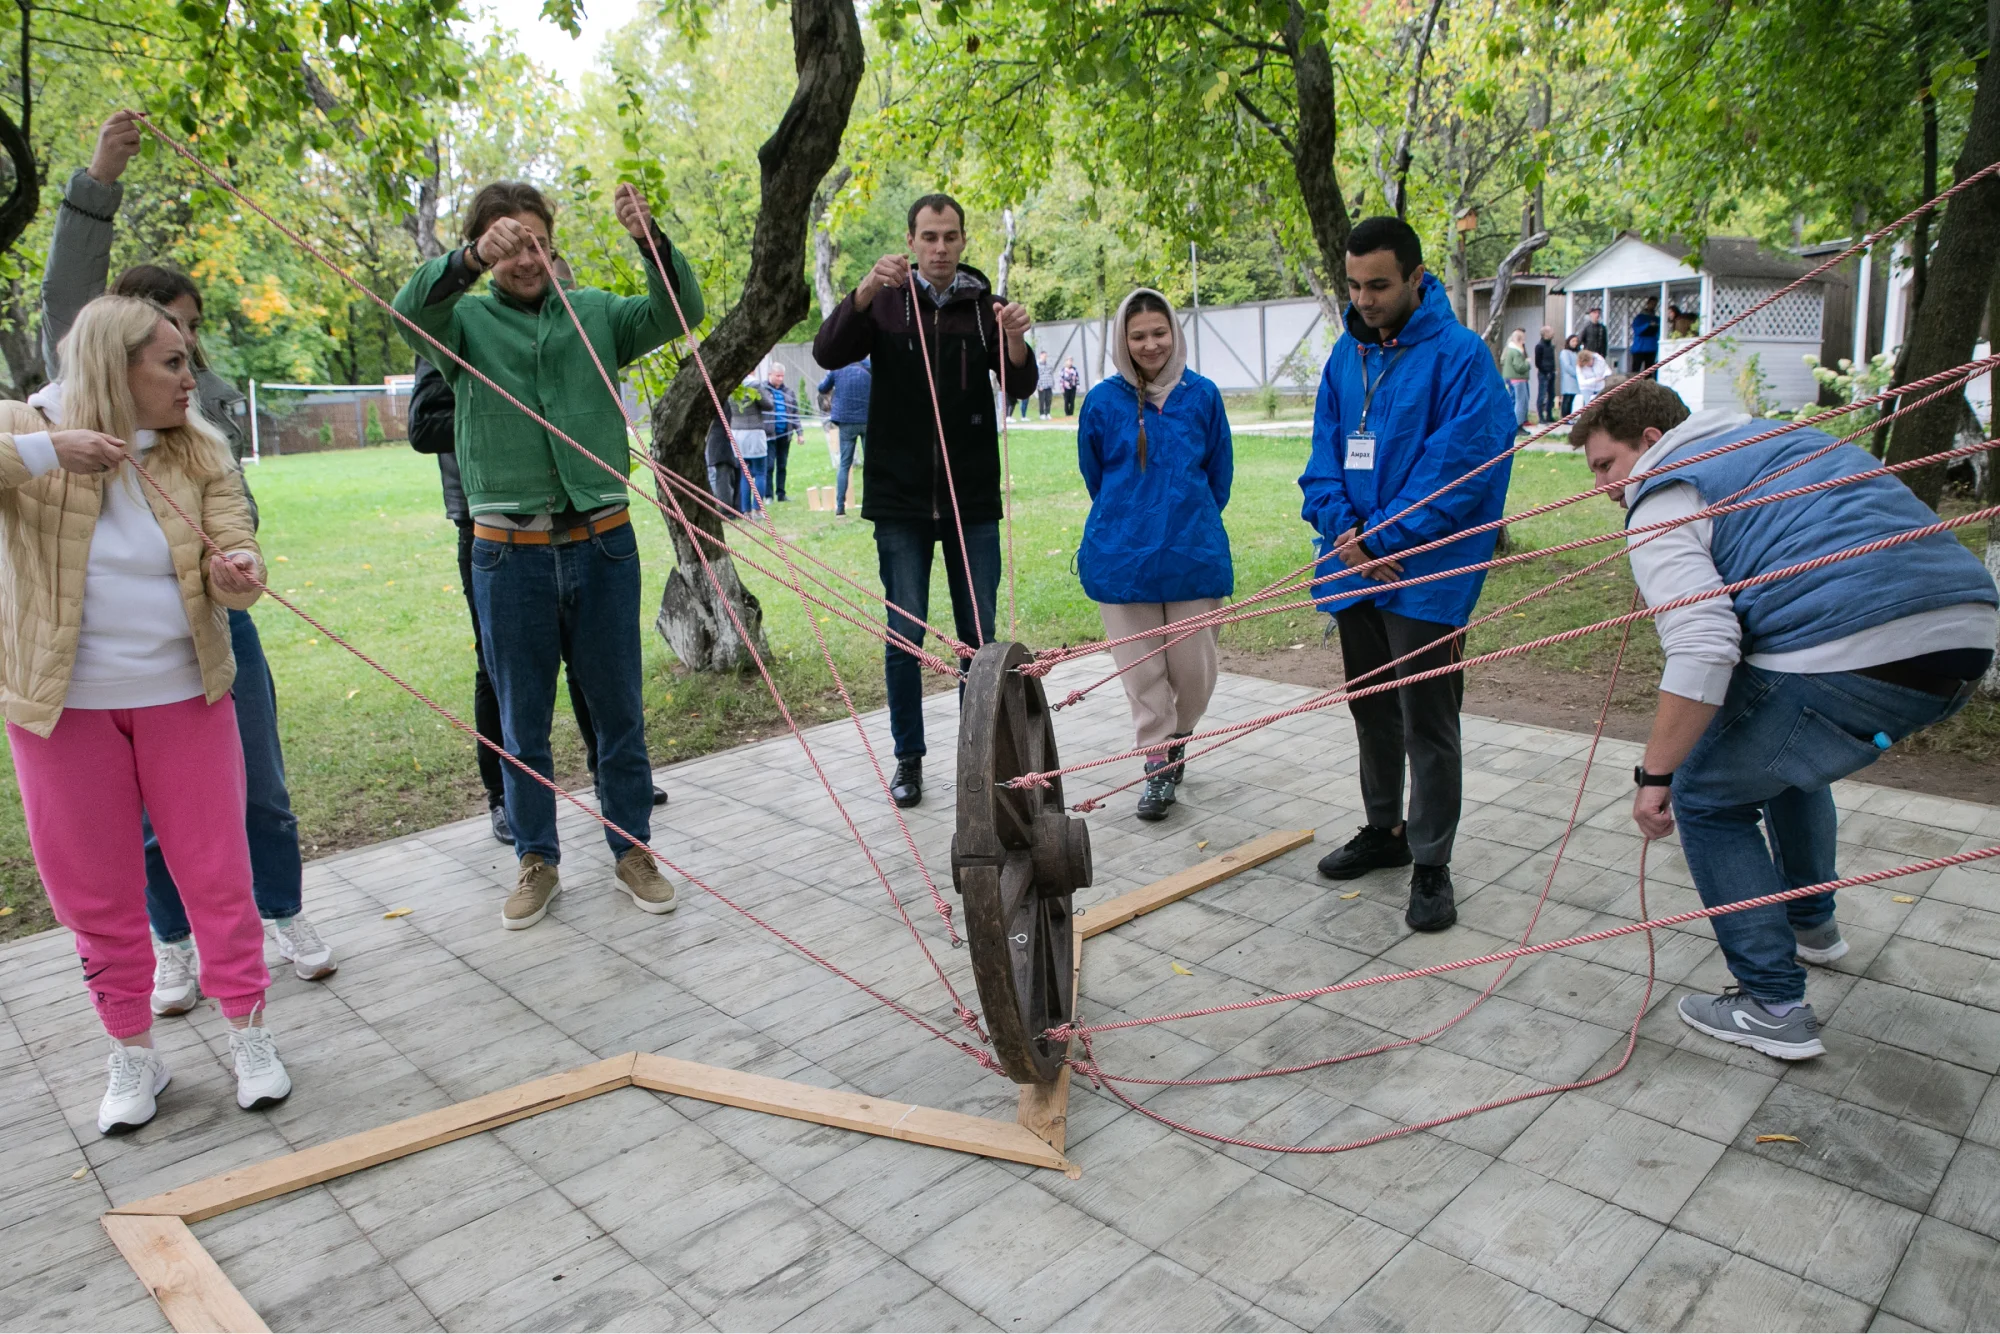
{"points": [[135, 648], [1703, 641]]}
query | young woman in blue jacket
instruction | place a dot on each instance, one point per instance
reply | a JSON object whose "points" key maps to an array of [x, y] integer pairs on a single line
{"points": [[1153, 446]]}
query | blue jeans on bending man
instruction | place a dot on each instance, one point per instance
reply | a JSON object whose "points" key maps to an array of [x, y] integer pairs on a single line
{"points": [[535, 603], [851, 434], [904, 549], [1768, 758]]}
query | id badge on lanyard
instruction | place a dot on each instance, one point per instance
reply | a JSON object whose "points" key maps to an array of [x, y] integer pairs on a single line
{"points": [[1361, 445]]}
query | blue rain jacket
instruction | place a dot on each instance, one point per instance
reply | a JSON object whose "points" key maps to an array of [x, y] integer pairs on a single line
{"points": [[1440, 410], [1156, 535]]}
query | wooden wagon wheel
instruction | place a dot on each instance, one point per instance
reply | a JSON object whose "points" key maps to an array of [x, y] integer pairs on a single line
{"points": [[1016, 858]]}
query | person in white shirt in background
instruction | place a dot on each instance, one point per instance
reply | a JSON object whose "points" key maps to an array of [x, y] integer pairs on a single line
{"points": [[1776, 691]]}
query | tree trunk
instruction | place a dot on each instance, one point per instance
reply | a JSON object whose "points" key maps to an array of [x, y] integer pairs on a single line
{"points": [[824, 250], [1399, 196], [25, 197], [1314, 145], [1503, 283], [828, 54], [1005, 268], [1945, 324]]}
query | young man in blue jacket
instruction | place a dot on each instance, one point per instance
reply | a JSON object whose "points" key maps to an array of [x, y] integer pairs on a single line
{"points": [[1410, 403], [1772, 694]]}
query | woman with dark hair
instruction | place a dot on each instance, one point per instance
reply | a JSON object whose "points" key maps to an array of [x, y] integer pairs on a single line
{"points": [[1571, 386], [79, 262], [1153, 444]]}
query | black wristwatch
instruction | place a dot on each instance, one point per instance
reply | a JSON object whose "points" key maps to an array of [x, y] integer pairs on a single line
{"points": [[1644, 779]]}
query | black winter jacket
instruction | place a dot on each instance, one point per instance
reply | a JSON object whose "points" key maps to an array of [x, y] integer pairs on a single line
{"points": [[902, 475]]}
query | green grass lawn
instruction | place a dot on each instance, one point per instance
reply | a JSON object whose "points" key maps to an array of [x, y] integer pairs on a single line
{"points": [[359, 539]]}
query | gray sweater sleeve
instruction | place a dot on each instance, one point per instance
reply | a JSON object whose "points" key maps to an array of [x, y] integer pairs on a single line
{"points": [[79, 258]]}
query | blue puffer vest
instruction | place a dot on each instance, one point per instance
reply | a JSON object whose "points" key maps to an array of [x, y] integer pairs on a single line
{"points": [[1835, 600]]}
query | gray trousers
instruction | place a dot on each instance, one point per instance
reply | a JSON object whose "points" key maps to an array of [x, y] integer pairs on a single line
{"points": [[1417, 723]]}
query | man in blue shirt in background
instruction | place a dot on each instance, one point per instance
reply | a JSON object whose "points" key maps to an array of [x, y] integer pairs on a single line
{"points": [[1645, 349], [1410, 403], [848, 411]]}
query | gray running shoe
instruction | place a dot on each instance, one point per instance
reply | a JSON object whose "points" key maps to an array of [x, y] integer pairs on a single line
{"points": [[1735, 1017], [1820, 944]]}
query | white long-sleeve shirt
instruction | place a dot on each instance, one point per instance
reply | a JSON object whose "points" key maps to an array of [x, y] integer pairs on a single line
{"points": [[1703, 641]]}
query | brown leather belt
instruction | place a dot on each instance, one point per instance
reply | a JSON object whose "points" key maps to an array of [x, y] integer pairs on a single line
{"points": [[526, 537]]}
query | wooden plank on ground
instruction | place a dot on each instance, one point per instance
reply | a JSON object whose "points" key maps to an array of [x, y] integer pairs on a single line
{"points": [[309, 1167], [849, 1111], [1116, 912], [184, 1279], [1044, 1108]]}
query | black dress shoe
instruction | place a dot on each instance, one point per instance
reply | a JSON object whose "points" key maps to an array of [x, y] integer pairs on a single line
{"points": [[1372, 849], [502, 831], [659, 796], [1431, 905], [1158, 795], [907, 787]]}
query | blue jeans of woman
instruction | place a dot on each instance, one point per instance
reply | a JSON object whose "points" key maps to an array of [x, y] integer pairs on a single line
{"points": [[275, 872], [1519, 389], [537, 606], [1769, 756], [903, 549]]}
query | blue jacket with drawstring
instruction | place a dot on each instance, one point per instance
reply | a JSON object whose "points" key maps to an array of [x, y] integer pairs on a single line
{"points": [[1440, 410], [1155, 535]]}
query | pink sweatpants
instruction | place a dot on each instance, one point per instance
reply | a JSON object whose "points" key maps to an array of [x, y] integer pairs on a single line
{"points": [[84, 787]]}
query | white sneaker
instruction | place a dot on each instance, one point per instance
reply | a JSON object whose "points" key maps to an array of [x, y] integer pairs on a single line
{"points": [[175, 973], [298, 944], [261, 1080], [137, 1074]]}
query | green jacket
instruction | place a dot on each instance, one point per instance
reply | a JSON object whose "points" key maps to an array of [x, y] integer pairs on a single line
{"points": [[1514, 363], [508, 463]]}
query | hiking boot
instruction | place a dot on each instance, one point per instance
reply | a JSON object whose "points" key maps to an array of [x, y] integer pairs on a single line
{"points": [[502, 831], [1735, 1017], [1177, 755], [640, 874], [1819, 944], [299, 945], [137, 1074], [175, 974], [1372, 849], [261, 1080], [907, 787], [1431, 905], [533, 893], [1159, 793]]}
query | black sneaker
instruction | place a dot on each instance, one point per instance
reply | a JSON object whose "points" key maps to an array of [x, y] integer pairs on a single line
{"points": [[659, 796], [1431, 907], [1372, 849], [502, 831], [907, 787], [1159, 794]]}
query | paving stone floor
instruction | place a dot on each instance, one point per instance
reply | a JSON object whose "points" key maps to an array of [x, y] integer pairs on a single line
{"points": [[1644, 1202]]}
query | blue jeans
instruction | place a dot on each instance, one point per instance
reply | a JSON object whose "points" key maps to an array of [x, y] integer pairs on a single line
{"points": [[273, 830], [538, 605], [1519, 389], [760, 472], [1770, 753], [850, 436], [903, 549]]}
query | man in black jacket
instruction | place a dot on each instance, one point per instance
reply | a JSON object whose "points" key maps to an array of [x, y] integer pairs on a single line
{"points": [[1593, 335], [1545, 374], [897, 314], [431, 407]]}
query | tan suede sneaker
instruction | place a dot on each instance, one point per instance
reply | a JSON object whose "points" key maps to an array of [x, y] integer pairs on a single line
{"points": [[533, 893], [640, 874]]}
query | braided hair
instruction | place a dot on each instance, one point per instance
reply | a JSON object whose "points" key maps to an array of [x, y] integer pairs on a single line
{"points": [[1143, 303]]}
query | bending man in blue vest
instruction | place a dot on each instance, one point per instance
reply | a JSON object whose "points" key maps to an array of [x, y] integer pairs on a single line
{"points": [[1774, 692], [1410, 403]]}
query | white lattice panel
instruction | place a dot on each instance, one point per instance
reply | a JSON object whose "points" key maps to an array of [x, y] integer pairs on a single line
{"points": [[1796, 315]]}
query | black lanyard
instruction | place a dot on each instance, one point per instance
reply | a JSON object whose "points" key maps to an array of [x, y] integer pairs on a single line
{"points": [[1368, 389]]}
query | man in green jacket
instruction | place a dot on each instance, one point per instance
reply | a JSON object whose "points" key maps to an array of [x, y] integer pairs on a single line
{"points": [[555, 562]]}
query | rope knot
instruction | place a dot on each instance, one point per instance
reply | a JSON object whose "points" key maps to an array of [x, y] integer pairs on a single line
{"points": [[1038, 780], [1036, 668], [1086, 806], [1074, 697]]}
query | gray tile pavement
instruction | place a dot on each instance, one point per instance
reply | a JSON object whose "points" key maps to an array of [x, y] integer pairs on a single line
{"points": [[1645, 1201]]}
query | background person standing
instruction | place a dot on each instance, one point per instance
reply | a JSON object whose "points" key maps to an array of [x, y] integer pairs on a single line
{"points": [[1514, 366], [1045, 383], [781, 425], [847, 407], [1645, 346], [1593, 335], [1068, 379], [1545, 375], [1156, 457], [1409, 403], [1567, 360], [953, 314]]}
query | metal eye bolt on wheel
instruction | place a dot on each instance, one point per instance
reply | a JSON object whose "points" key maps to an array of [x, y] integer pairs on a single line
{"points": [[1016, 859]]}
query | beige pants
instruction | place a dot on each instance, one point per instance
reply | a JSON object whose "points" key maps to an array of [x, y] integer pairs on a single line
{"points": [[1169, 691]]}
